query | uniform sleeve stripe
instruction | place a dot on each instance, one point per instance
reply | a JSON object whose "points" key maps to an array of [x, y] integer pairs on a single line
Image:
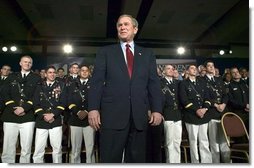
{"points": [[9, 102], [188, 105], [60, 107], [40, 109], [71, 106], [208, 102], [30, 102]]}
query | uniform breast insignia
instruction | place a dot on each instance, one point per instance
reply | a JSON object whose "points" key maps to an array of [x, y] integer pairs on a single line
{"points": [[56, 92]]}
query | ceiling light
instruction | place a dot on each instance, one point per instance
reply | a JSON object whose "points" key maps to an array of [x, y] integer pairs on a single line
{"points": [[222, 52], [67, 48], [230, 51], [13, 48], [180, 50], [4, 49]]}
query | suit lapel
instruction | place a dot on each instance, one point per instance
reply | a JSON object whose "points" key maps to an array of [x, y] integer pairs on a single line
{"points": [[137, 60]]}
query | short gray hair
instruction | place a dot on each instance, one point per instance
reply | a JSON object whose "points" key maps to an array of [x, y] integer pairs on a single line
{"points": [[134, 21]]}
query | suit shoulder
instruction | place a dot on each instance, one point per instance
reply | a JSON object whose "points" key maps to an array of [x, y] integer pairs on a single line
{"points": [[112, 46]]}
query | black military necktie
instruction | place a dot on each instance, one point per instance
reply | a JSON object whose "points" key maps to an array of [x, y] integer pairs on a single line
{"points": [[50, 84], [212, 79]]}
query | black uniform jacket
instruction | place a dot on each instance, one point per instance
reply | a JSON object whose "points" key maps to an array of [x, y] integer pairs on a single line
{"points": [[194, 97], [78, 100], [19, 91], [49, 99], [218, 95], [171, 106]]}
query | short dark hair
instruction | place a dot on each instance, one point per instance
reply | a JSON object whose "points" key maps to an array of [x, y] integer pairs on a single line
{"points": [[75, 63], [50, 67], [84, 65], [60, 69], [190, 66], [207, 61]]}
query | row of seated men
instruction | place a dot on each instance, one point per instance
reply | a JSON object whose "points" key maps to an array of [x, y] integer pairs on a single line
{"points": [[197, 102]]}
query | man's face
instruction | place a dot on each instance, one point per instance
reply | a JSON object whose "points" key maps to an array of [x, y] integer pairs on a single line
{"points": [[244, 73], [169, 71], [26, 64], [75, 69], [51, 74], [235, 73], [60, 73], [192, 71], [125, 29], [210, 68], [84, 72], [5, 71], [42, 73]]}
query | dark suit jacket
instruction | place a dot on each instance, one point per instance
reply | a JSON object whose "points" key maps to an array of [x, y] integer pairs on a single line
{"points": [[116, 96]]}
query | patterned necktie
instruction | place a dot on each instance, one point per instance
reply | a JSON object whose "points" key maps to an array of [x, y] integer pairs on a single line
{"points": [[129, 57]]}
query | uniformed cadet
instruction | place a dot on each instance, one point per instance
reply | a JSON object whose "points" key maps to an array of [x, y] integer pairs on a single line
{"points": [[18, 116], [73, 75], [60, 74], [77, 103], [194, 97], [239, 96], [172, 116], [227, 79], [244, 75], [5, 71], [49, 103], [218, 98], [69, 79]]}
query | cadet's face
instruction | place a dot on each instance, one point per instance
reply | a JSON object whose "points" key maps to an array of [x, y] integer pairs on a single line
{"points": [[125, 29], [42, 73], [228, 77], [75, 69], [26, 64], [244, 73], [192, 71], [51, 74], [235, 74], [84, 72], [169, 71], [210, 68], [60, 73], [5, 71]]}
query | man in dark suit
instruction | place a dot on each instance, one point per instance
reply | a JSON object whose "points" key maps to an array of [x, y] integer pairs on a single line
{"points": [[124, 82]]}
